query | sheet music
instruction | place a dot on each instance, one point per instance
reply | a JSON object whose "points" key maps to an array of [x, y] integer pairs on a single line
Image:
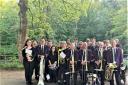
{"points": [[28, 51], [62, 55]]}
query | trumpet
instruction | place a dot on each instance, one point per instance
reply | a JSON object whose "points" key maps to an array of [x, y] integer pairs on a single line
{"points": [[42, 68]]}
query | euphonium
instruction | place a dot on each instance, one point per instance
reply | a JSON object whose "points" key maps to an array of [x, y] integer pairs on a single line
{"points": [[109, 70], [42, 67]]}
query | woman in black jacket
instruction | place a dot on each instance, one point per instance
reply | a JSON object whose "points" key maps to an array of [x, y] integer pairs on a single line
{"points": [[28, 61], [52, 59]]}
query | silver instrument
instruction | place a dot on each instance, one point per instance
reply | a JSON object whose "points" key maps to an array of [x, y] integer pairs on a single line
{"points": [[42, 68]]}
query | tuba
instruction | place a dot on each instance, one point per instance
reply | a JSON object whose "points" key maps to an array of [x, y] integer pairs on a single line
{"points": [[42, 68]]}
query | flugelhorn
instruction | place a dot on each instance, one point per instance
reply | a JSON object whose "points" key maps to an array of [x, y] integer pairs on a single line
{"points": [[42, 68]]}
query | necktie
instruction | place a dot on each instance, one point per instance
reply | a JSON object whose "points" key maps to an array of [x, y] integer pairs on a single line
{"points": [[43, 49], [113, 55]]}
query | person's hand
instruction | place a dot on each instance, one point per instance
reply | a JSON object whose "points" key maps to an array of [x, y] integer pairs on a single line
{"points": [[71, 62], [100, 61], [29, 58], [83, 62], [97, 62]]}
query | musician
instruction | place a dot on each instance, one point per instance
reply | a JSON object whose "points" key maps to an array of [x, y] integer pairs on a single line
{"points": [[36, 63], [118, 43], [115, 56], [102, 63], [28, 61], [75, 42], [42, 49], [68, 41], [49, 45], [72, 54], [79, 45], [86, 62], [52, 59], [62, 62], [107, 44], [88, 42], [94, 49]]}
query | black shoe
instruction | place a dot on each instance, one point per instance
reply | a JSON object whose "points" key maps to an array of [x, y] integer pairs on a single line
{"points": [[30, 83]]}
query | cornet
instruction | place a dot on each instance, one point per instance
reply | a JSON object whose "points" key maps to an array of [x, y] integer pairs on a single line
{"points": [[42, 67]]}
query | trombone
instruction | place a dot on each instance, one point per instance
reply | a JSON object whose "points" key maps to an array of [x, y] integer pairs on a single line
{"points": [[86, 65], [73, 66], [101, 59], [72, 72], [84, 58]]}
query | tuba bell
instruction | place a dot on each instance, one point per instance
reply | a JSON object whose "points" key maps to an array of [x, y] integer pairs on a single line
{"points": [[42, 67]]}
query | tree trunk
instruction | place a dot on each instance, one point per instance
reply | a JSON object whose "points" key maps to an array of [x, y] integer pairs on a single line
{"points": [[22, 34]]}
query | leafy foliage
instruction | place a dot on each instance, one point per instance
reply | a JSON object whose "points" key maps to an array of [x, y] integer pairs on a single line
{"points": [[62, 19]]}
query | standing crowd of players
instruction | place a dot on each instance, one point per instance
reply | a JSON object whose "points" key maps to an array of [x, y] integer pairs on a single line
{"points": [[58, 60]]}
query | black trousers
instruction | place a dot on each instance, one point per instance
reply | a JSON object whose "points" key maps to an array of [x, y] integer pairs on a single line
{"points": [[61, 72], [91, 67], [53, 75], [117, 77], [28, 66], [36, 67], [71, 78]]}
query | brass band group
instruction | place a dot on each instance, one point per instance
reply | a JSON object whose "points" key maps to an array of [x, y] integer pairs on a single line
{"points": [[88, 62]]}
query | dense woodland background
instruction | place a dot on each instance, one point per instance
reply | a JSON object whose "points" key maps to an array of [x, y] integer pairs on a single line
{"points": [[60, 19]]}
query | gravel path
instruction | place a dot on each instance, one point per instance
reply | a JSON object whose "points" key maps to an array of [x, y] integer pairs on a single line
{"points": [[17, 78]]}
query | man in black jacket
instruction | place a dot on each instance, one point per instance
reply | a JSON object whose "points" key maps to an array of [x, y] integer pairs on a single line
{"points": [[42, 49]]}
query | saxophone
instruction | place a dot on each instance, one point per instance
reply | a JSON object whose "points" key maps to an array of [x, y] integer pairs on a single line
{"points": [[42, 68]]}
